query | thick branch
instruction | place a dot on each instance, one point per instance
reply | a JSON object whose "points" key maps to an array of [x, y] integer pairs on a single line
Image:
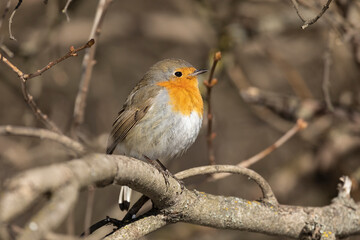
{"points": [[337, 219], [52, 215], [143, 226]]}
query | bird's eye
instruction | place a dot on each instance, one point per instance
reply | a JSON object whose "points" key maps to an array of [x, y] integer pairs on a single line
{"points": [[178, 74]]}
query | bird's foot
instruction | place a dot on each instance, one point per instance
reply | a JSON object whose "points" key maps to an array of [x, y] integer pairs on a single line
{"points": [[165, 172]]}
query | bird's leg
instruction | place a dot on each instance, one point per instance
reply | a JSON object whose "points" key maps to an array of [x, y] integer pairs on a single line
{"points": [[170, 174], [160, 167], [164, 171]]}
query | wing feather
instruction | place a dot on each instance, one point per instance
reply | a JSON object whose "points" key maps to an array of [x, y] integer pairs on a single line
{"points": [[135, 108], [123, 124]]}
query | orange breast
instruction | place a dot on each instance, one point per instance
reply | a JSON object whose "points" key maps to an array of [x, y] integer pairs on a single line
{"points": [[184, 95]]}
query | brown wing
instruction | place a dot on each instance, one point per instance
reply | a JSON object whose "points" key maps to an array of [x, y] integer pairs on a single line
{"points": [[126, 120], [135, 108]]}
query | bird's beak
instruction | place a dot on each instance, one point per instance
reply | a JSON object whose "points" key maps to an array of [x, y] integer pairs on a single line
{"points": [[198, 72]]}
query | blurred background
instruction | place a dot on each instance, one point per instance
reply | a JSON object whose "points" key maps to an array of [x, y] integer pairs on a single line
{"points": [[272, 73]]}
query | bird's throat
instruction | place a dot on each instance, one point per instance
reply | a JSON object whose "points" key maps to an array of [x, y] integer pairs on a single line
{"points": [[184, 95]]}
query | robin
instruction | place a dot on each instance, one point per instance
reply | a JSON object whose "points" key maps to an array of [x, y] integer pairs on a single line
{"points": [[161, 117]]}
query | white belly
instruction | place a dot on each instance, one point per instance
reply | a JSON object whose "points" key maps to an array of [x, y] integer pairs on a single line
{"points": [[162, 134]]}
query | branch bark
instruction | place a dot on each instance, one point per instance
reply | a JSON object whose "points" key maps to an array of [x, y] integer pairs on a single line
{"points": [[87, 66], [339, 219], [313, 20], [25, 77], [209, 84], [43, 134]]}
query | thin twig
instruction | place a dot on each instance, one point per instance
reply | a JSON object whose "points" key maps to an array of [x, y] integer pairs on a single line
{"points": [[65, 10], [72, 53], [210, 83], [70, 222], [29, 98], [12, 66], [6, 10], [312, 20], [11, 19], [80, 101], [296, 7], [87, 66], [43, 134], [326, 80], [294, 78], [36, 110], [89, 209], [268, 194], [6, 50], [24, 77], [300, 124]]}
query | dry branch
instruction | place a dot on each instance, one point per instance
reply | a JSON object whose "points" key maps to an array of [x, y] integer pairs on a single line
{"points": [[326, 80], [71, 53], [87, 66], [6, 10], [210, 83], [24, 77], [80, 100], [43, 134], [292, 108], [268, 195], [300, 125], [314, 19], [339, 219], [52, 214], [65, 10], [288, 107]]}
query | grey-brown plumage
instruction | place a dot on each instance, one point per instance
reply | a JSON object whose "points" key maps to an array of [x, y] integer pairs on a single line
{"points": [[147, 126]]}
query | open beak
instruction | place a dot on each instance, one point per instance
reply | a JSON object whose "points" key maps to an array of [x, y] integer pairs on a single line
{"points": [[198, 72]]}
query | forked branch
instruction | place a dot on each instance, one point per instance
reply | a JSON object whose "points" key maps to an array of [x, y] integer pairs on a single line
{"points": [[339, 219], [313, 20], [24, 77]]}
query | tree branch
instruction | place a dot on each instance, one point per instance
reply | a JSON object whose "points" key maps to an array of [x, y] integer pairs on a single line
{"points": [[11, 19], [64, 11], [43, 134], [137, 229], [248, 162], [210, 83], [339, 219], [87, 66], [312, 20], [268, 194], [52, 214], [6, 10], [24, 77], [326, 79], [71, 53], [300, 125]]}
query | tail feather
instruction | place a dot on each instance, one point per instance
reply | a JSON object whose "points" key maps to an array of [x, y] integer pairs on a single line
{"points": [[124, 198]]}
